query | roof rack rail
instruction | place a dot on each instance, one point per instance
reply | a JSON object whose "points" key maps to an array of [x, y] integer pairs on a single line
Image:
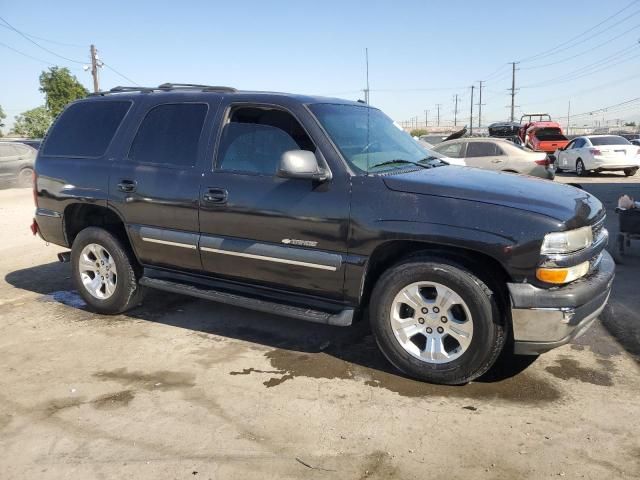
{"points": [[164, 87], [206, 88]]}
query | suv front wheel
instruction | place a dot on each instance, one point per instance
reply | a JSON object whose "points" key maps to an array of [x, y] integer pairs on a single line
{"points": [[104, 272], [436, 321]]}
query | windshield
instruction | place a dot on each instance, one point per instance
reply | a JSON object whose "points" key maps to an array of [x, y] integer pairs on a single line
{"points": [[368, 139], [609, 140]]}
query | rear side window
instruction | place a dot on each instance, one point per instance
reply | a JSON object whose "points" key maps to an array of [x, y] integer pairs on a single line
{"points": [[482, 149], [169, 135], [85, 129], [610, 140]]}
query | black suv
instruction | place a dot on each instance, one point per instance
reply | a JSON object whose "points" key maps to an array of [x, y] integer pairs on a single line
{"points": [[318, 209]]}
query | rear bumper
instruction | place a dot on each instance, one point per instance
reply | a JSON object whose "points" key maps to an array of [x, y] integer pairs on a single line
{"points": [[50, 226], [544, 319], [603, 164]]}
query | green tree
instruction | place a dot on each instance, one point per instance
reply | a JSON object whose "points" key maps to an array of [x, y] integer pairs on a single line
{"points": [[60, 88], [630, 124], [33, 123], [2, 117]]}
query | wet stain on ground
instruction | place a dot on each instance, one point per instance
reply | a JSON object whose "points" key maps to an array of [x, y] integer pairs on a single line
{"points": [[59, 404], [378, 465], [568, 368], [161, 380], [5, 420], [247, 371], [524, 388], [112, 401]]}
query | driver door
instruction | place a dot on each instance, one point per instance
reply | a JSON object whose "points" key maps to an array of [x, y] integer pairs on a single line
{"points": [[256, 227]]}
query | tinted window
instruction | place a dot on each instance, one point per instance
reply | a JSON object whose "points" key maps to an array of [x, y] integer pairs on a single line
{"points": [[609, 140], [169, 135], [482, 149], [85, 129], [255, 139], [452, 150], [250, 147], [579, 143]]}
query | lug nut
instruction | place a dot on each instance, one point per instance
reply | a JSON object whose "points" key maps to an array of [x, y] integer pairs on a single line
{"points": [[429, 330], [436, 310], [421, 320], [424, 310], [440, 329], [443, 319]]}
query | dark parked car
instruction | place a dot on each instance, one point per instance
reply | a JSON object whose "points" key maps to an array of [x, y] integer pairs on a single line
{"points": [[16, 163], [315, 209]]}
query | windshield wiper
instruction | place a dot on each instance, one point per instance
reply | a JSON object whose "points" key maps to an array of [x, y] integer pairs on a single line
{"points": [[399, 160], [431, 158]]}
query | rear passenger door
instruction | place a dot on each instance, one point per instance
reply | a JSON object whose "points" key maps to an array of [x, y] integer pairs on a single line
{"points": [[155, 181], [8, 161], [485, 155]]}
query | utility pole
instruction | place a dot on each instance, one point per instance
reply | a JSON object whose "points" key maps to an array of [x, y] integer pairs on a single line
{"points": [[568, 117], [438, 105], [455, 112], [426, 118], [471, 117], [366, 91], [94, 68], [513, 89], [480, 106]]}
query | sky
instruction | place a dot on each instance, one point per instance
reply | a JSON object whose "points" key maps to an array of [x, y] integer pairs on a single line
{"points": [[421, 53]]}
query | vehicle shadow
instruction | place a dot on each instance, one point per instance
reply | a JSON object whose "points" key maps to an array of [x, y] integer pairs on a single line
{"points": [[354, 345]]}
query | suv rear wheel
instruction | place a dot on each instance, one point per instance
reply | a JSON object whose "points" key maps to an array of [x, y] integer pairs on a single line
{"points": [[104, 272], [436, 321]]}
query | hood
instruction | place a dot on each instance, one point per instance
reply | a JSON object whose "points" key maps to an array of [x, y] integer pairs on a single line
{"points": [[567, 204]]}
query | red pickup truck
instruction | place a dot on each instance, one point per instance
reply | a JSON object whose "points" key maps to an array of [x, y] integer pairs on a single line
{"points": [[539, 133]]}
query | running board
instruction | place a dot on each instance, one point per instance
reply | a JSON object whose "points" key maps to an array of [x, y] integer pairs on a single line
{"points": [[343, 318]]}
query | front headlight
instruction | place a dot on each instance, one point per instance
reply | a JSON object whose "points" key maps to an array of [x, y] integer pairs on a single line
{"points": [[567, 242]]}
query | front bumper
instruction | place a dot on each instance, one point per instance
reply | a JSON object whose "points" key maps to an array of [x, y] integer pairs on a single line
{"points": [[544, 319]]}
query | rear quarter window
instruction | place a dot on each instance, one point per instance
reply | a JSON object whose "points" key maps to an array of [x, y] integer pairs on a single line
{"points": [[85, 129]]}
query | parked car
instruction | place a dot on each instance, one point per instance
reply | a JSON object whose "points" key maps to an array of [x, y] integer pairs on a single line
{"points": [[498, 154], [433, 139], [430, 152], [16, 163], [635, 141], [317, 209], [599, 153], [504, 129]]}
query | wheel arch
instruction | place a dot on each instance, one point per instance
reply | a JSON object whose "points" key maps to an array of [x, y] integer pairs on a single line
{"points": [[392, 252], [78, 216]]}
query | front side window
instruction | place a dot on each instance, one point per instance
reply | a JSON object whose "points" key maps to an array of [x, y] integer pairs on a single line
{"points": [[367, 138], [85, 129], [452, 150], [169, 135], [254, 139]]}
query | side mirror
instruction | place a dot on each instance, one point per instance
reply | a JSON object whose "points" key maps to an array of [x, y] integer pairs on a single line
{"points": [[301, 164]]}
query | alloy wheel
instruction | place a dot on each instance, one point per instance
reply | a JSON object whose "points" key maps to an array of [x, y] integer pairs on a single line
{"points": [[431, 322], [98, 271]]}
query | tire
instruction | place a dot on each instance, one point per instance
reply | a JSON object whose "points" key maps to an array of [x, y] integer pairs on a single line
{"points": [[488, 330], [630, 172], [122, 291], [580, 170], [25, 177]]}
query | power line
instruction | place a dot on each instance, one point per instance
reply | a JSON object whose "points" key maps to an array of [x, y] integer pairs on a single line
{"points": [[584, 52], [120, 74], [26, 37], [554, 49], [26, 54], [62, 44]]}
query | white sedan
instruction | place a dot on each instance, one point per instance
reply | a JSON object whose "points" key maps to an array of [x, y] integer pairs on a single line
{"points": [[599, 153]]}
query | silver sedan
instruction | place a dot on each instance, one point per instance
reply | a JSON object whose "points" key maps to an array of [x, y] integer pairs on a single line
{"points": [[498, 154]]}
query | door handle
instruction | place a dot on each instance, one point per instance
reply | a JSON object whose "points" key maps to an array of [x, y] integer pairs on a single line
{"points": [[127, 186], [215, 195]]}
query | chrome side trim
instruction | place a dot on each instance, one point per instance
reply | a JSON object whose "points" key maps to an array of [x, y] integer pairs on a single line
{"points": [[269, 259], [167, 242]]}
